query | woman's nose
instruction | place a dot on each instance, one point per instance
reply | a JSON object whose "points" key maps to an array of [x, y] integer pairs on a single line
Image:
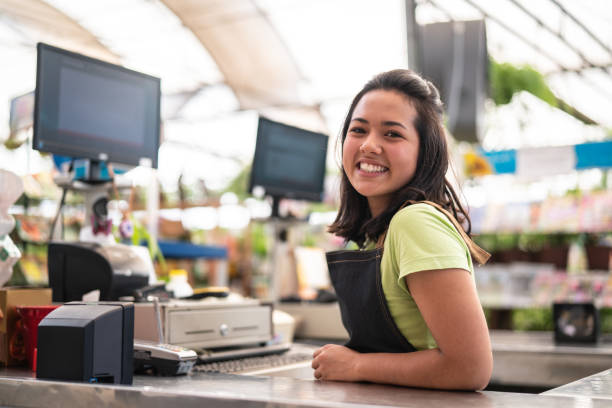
{"points": [[370, 145]]}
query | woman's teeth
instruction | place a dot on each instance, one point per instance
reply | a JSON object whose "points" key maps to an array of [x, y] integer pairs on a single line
{"points": [[372, 168]]}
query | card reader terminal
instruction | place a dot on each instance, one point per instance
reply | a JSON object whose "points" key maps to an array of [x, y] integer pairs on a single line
{"points": [[164, 359]]}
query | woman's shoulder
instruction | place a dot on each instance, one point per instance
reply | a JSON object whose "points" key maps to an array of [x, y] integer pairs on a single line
{"points": [[419, 212], [421, 218], [421, 233]]}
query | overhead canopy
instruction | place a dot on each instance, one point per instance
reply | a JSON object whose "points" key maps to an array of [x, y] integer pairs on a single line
{"points": [[249, 52], [44, 21], [223, 62]]}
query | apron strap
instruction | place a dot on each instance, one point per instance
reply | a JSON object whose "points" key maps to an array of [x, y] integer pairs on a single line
{"points": [[480, 255]]}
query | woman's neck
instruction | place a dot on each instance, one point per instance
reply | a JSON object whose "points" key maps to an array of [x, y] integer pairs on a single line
{"points": [[378, 205]]}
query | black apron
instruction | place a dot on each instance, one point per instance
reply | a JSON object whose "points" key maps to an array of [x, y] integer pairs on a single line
{"points": [[356, 278]]}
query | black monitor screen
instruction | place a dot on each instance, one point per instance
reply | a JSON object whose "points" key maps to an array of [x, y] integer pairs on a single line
{"points": [[86, 108], [289, 162]]}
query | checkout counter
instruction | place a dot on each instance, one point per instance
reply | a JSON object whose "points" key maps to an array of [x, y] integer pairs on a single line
{"points": [[526, 358], [20, 389], [581, 374]]}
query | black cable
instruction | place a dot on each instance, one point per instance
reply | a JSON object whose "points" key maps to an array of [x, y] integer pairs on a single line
{"points": [[61, 205], [62, 222]]}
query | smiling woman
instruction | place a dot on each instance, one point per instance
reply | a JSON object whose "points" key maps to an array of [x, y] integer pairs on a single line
{"points": [[408, 297]]}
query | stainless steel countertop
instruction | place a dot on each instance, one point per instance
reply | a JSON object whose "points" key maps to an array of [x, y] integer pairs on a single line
{"points": [[222, 390], [518, 357], [533, 359], [595, 386]]}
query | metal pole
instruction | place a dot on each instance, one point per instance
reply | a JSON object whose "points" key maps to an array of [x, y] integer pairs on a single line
{"points": [[412, 35]]}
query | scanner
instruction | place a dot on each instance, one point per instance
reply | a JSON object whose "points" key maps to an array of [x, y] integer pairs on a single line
{"points": [[87, 341]]}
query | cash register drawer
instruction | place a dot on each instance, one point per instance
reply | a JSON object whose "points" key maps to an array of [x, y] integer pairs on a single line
{"points": [[219, 328], [201, 325]]}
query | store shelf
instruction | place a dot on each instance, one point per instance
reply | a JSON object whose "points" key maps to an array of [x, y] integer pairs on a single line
{"points": [[525, 285], [588, 213]]}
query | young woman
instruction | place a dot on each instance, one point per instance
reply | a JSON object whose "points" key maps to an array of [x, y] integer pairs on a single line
{"points": [[408, 297]]}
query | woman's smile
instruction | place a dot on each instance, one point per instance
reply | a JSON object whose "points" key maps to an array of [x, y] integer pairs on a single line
{"points": [[368, 168]]}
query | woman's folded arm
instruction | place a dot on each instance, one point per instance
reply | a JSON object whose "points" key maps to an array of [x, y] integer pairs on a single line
{"points": [[449, 304]]}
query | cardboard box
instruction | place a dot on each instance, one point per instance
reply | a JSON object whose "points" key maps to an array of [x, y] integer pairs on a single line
{"points": [[10, 298]]}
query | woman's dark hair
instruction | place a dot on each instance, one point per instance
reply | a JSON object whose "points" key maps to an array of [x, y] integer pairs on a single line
{"points": [[354, 221]]}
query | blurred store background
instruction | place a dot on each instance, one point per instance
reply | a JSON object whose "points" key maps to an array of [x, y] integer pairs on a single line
{"points": [[527, 84]]}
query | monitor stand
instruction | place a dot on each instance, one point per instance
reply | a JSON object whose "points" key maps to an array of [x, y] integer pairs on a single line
{"points": [[275, 215], [91, 171], [90, 182], [279, 223], [275, 206]]}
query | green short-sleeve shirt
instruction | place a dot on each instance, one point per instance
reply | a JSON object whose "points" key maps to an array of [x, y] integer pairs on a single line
{"points": [[419, 238]]}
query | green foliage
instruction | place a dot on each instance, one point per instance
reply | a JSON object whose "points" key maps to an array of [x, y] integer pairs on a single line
{"points": [[485, 241], [140, 234], [506, 80], [309, 240], [13, 143], [18, 278], [320, 207], [605, 320], [260, 239], [530, 241], [240, 184], [604, 182], [532, 319], [497, 242]]}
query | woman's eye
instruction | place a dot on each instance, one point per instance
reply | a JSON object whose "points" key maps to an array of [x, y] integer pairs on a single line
{"points": [[357, 130], [394, 134]]}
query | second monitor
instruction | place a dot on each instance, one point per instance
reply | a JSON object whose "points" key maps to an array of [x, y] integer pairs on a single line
{"points": [[289, 162]]}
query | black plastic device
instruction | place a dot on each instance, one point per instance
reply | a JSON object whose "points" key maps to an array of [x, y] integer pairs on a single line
{"points": [[76, 269], [576, 322], [163, 359], [289, 162], [87, 341]]}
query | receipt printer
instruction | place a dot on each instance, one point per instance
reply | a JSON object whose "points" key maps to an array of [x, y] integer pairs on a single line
{"points": [[87, 341]]}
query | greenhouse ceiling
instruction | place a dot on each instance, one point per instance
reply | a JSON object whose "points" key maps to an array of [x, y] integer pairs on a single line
{"points": [[224, 62]]}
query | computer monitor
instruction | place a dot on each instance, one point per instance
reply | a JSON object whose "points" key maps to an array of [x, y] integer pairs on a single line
{"points": [[289, 162], [90, 109]]}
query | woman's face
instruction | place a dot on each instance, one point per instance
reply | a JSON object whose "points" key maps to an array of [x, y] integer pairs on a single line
{"points": [[381, 147]]}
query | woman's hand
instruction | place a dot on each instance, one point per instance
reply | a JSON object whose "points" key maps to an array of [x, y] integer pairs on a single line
{"points": [[336, 363]]}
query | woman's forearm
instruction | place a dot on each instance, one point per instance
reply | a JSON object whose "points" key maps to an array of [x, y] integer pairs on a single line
{"points": [[426, 368]]}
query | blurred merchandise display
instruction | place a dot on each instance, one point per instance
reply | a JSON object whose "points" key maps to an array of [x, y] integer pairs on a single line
{"points": [[528, 285], [577, 262], [509, 286], [590, 212], [11, 187], [33, 265], [33, 228]]}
